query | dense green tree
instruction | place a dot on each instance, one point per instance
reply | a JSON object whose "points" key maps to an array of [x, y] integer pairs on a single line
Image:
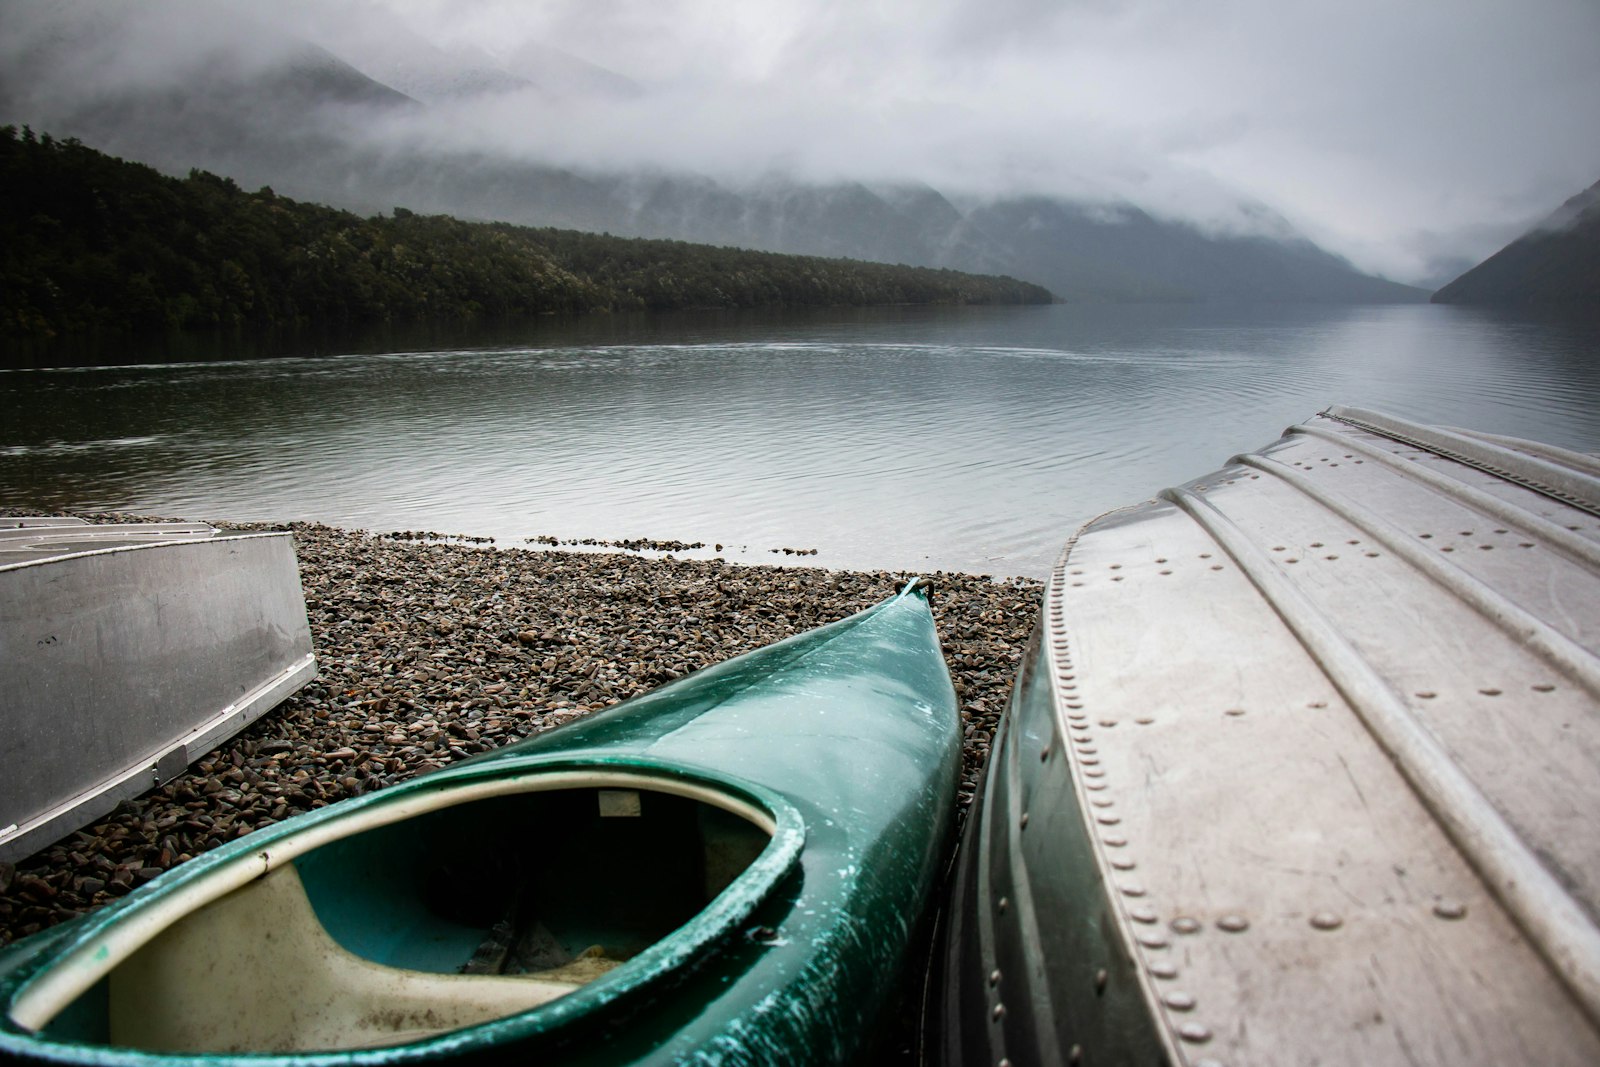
{"points": [[89, 242]]}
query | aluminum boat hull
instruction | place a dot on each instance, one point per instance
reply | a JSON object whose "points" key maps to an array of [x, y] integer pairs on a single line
{"points": [[128, 650], [1301, 767]]}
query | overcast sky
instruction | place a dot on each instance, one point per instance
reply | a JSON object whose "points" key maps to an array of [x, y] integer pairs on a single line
{"points": [[1389, 130], [1398, 133]]}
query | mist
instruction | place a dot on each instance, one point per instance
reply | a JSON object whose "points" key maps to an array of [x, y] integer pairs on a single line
{"points": [[1409, 139]]}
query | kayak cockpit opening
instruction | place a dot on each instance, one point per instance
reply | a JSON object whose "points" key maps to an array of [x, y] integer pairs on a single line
{"points": [[439, 914]]}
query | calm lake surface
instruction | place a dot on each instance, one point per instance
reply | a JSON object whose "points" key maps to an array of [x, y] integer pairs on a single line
{"points": [[929, 439]]}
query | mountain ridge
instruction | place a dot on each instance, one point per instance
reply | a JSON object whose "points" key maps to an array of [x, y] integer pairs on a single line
{"points": [[1556, 263], [311, 130]]}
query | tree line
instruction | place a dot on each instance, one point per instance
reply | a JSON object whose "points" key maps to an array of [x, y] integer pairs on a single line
{"points": [[90, 242]]}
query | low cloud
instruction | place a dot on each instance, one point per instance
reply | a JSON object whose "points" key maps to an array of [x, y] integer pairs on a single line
{"points": [[1378, 130], [1403, 137]]}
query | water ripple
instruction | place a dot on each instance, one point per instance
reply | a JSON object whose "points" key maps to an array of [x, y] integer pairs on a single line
{"points": [[971, 442]]}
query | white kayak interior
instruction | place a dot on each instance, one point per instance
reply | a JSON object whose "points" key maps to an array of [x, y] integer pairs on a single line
{"points": [[426, 914], [160, 1000], [1332, 720]]}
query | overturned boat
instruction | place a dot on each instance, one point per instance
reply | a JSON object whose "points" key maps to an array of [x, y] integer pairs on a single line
{"points": [[126, 651], [730, 867], [1302, 766]]}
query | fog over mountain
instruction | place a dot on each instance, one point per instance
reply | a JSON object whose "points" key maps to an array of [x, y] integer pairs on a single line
{"points": [[1117, 149], [1555, 264]]}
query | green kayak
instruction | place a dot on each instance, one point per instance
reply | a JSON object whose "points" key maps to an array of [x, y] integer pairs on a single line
{"points": [[729, 869]]}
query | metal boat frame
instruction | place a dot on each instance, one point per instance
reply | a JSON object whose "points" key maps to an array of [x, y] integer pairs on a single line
{"points": [[128, 650]]}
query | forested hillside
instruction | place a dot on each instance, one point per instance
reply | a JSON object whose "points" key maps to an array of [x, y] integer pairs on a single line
{"points": [[90, 242]]}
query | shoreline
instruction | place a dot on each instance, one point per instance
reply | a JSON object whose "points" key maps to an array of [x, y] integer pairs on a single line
{"points": [[431, 652]]}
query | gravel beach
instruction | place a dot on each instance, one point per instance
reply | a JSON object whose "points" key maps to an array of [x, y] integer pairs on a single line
{"points": [[430, 653]]}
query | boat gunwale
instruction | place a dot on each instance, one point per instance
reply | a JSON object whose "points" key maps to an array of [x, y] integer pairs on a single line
{"points": [[58, 821], [64, 970], [217, 537]]}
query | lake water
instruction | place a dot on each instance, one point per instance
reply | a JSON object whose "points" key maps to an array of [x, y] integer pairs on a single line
{"points": [[924, 439]]}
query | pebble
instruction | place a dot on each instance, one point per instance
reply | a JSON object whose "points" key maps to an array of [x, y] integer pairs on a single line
{"points": [[432, 651]]}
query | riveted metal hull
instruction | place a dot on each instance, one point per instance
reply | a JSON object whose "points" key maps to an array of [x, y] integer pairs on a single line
{"points": [[1302, 767], [128, 650], [842, 743]]}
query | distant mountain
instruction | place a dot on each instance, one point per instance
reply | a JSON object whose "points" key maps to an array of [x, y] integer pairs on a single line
{"points": [[199, 83], [564, 75], [432, 75], [1555, 263], [383, 45], [180, 83], [899, 223], [1120, 253], [1079, 252]]}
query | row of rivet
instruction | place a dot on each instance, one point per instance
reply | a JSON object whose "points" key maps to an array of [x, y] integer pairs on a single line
{"points": [[1181, 1001], [1060, 646], [1175, 1000], [1322, 920], [1056, 615], [1318, 544], [1090, 774], [1484, 548], [1325, 459], [1488, 691], [1086, 755], [1483, 465]]}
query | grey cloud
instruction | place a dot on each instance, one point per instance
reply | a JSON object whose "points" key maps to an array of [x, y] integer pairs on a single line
{"points": [[1399, 135]]}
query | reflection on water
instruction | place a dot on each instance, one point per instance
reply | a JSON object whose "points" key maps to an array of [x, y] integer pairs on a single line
{"points": [[968, 439]]}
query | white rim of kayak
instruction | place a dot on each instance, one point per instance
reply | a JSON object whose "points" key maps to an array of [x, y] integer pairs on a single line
{"points": [[121, 931]]}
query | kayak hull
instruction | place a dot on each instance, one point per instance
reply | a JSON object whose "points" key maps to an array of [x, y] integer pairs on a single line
{"points": [[809, 783]]}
